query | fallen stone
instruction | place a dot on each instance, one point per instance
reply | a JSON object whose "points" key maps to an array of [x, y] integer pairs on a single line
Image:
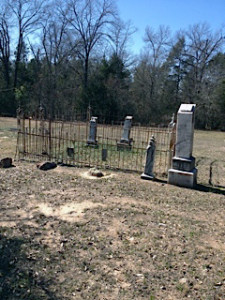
{"points": [[45, 166], [6, 162], [95, 172]]}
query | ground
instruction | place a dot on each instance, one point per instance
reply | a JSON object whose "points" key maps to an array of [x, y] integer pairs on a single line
{"points": [[64, 235]]}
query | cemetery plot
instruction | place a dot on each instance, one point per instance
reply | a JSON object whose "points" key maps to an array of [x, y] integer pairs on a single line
{"points": [[92, 144]]}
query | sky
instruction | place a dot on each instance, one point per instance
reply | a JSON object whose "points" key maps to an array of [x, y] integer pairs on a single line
{"points": [[177, 14]]}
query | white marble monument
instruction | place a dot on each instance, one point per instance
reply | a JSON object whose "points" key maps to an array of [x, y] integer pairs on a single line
{"points": [[183, 171]]}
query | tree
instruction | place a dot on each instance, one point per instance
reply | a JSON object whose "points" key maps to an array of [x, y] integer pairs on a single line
{"points": [[109, 89], [27, 15], [150, 75], [89, 20], [5, 47]]}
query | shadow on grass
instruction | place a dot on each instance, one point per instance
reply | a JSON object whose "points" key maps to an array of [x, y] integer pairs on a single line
{"points": [[18, 279], [210, 189], [202, 188]]}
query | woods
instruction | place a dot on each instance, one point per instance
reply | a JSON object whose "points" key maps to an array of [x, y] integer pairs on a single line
{"points": [[71, 55]]}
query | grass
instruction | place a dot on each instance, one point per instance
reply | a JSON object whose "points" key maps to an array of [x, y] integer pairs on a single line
{"points": [[66, 236]]}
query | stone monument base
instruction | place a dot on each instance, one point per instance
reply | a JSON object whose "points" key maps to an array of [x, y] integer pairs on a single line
{"points": [[123, 146], [183, 178], [92, 144], [147, 177], [183, 164]]}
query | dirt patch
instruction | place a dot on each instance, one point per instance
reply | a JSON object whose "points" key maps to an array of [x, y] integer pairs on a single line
{"points": [[70, 212]]}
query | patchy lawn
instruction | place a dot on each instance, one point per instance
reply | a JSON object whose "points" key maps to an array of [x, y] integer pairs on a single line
{"points": [[64, 235]]}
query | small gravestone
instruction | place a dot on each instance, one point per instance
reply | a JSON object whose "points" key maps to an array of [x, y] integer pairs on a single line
{"points": [[125, 142], [150, 157], [92, 133], [70, 151], [6, 163], [183, 171], [104, 154]]}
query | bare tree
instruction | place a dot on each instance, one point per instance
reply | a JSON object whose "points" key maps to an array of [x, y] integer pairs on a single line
{"points": [[157, 47], [56, 51], [119, 37], [157, 43], [5, 47], [27, 15], [202, 45], [89, 20]]}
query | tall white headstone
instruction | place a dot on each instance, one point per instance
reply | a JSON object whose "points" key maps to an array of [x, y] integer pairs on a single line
{"points": [[92, 132], [183, 171]]}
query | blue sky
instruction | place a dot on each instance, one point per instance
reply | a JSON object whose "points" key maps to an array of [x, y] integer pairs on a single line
{"points": [[177, 14]]}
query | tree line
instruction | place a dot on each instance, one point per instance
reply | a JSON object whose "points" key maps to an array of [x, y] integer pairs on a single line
{"points": [[68, 56]]}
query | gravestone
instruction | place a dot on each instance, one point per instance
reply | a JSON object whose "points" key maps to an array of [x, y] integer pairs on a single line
{"points": [[70, 151], [92, 132], [183, 171], [150, 157], [104, 154], [125, 142]]}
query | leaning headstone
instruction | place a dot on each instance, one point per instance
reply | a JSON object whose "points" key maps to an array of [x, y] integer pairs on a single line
{"points": [[183, 171], [150, 157], [92, 132], [125, 142], [6, 162]]}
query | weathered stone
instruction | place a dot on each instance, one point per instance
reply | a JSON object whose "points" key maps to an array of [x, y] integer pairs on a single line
{"points": [[45, 166], [150, 157], [6, 162]]}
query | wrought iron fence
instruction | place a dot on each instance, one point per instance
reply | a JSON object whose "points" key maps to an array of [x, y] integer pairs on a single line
{"points": [[66, 142]]}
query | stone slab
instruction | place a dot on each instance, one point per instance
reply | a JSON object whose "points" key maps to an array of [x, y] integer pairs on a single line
{"points": [[182, 178]]}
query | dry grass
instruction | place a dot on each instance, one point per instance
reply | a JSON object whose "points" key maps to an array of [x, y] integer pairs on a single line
{"points": [[66, 236]]}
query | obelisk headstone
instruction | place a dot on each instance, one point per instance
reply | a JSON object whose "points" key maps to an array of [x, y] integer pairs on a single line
{"points": [[183, 171]]}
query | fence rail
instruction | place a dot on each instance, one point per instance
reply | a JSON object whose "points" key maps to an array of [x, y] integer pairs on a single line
{"points": [[66, 142]]}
